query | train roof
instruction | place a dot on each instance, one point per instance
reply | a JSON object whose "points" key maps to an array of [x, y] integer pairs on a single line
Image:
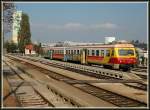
{"points": [[119, 45]]}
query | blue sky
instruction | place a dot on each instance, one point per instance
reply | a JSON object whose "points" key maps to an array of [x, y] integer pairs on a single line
{"points": [[86, 22]]}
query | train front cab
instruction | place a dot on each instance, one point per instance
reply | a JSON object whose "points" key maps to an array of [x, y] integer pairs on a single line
{"points": [[123, 58]]}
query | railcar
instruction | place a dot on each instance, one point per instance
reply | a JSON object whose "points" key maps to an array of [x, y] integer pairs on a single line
{"points": [[115, 56]]}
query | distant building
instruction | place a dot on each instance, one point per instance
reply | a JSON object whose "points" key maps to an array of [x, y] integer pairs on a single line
{"points": [[16, 25], [29, 49], [109, 39], [143, 56]]}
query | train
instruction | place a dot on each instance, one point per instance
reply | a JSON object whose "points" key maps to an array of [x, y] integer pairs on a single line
{"points": [[114, 56]]}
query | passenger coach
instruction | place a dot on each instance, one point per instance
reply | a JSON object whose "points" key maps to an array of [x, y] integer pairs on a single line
{"points": [[116, 56]]}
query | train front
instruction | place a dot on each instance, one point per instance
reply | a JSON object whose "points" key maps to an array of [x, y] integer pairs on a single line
{"points": [[126, 58]]}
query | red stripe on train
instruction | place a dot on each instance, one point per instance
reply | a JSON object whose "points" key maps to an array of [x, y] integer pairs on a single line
{"points": [[95, 58], [59, 56], [123, 60]]}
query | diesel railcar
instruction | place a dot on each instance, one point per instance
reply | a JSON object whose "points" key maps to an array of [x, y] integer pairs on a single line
{"points": [[115, 56]]}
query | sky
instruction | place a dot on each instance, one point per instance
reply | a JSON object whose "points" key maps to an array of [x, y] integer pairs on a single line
{"points": [[86, 22]]}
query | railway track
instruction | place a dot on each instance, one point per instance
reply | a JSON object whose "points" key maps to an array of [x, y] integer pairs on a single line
{"points": [[141, 72], [108, 96], [103, 75], [26, 95], [29, 95], [113, 98]]}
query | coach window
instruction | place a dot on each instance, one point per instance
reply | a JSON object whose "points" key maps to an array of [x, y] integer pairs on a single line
{"points": [[67, 51], [71, 51], [108, 53], [112, 54], [93, 52], [77, 51], [88, 52], [102, 52], [74, 51], [97, 52]]}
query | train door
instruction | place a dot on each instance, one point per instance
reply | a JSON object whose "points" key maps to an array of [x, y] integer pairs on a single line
{"points": [[107, 56], [65, 52], [83, 53], [50, 53]]}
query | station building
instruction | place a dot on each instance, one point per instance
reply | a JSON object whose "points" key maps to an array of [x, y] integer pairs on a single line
{"points": [[29, 49]]}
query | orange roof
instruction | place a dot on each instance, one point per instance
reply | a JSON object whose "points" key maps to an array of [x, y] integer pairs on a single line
{"points": [[29, 46]]}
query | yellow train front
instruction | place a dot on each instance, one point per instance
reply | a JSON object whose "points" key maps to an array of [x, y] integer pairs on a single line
{"points": [[115, 56]]}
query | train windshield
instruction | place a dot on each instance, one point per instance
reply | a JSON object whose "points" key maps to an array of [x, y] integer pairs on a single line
{"points": [[125, 52]]}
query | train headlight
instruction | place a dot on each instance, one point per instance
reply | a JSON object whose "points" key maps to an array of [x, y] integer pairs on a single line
{"points": [[120, 61]]}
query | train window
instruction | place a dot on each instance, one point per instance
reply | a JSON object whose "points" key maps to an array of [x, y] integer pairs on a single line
{"points": [[108, 53], [124, 52], [74, 51], [112, 54], [93, 52], [71, 51], [78, 52], [97, 52], [102, 52], [88, 52]]}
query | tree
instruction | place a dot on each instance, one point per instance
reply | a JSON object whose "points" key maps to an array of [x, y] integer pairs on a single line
{"points": [[10, 47], [24, 34], [38, 48], [132, 41], [137, 41]]}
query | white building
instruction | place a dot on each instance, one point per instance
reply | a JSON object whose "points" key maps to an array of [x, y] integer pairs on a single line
{"points": [[16, 25], [109, 39]]}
